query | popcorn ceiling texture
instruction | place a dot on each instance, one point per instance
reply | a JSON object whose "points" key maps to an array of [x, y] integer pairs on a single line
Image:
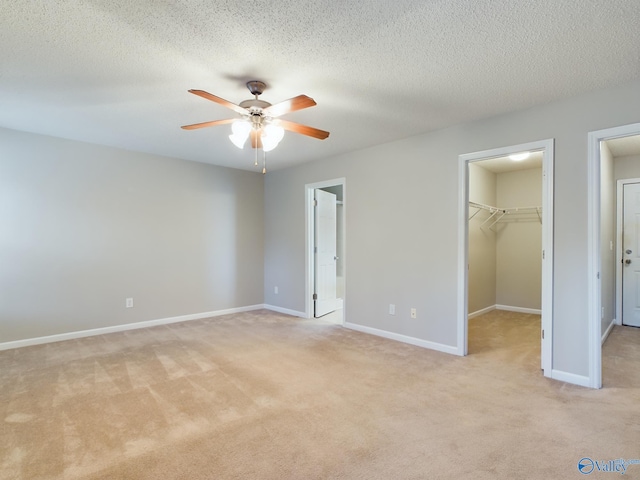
{"points": [[116, 72]]}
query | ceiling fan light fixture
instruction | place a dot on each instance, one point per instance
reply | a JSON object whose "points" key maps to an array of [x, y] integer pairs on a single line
{"points": [[238, 140], [271, 137], [257, 117], [240, 129]]}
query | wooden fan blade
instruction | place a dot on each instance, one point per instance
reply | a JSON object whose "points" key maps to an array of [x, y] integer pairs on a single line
{"points": [[208, 124], [221, 101], [303, 129], [256, 139], [288, 106]]}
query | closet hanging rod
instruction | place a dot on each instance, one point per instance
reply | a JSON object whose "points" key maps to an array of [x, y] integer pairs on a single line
{"points": [[481, 206], [492, 209], [503, 211]]}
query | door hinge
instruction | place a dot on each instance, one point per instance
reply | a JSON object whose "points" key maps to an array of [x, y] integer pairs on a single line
{"points": [[543, 254], [315, 202], [315, 296], [543, 334], [315, 249]]}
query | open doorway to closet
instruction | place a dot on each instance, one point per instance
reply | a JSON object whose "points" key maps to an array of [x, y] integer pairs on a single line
{"points": [[614, 266], [326, 252], [505, 250]]}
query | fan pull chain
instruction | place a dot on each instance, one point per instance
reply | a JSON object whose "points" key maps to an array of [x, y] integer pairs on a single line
{"points": [[264, 162]]}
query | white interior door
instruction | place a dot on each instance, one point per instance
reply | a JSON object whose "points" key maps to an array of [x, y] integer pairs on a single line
{"points": [[325, 298], [631, 255]]}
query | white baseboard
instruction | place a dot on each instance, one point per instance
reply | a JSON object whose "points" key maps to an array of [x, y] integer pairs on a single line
{"points": [[121, 328], [286, 311], [508, 308], [580, 380], [482, 311], [608, 330], [403, 338]]}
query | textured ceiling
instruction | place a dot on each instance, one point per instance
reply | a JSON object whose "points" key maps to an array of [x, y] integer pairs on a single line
{"points": [[117, 72]]}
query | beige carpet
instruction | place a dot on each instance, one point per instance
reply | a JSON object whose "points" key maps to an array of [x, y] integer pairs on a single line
{"points": [[266, 396]]}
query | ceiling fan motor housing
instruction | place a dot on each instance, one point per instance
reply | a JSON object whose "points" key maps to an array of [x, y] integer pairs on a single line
{"points": [[254, 105], [256, 87]]}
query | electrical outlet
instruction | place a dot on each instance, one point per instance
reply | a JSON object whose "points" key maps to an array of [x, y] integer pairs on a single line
{"points": [[392, 309], [414, 314], [275, 290], [129, 303]]}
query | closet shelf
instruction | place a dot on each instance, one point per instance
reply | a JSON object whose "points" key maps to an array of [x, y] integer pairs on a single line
{"points": [[501, 214]]}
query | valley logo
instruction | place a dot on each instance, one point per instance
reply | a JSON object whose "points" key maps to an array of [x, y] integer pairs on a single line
{"points": [[587, 465]]}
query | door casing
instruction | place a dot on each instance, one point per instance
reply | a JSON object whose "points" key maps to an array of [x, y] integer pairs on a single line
{"points": [[594, 288], [547, 146]]}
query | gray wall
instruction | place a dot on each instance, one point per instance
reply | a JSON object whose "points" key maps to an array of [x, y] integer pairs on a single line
{"points": [[85, 226], [482, 240], [519, 241], [402, 231]]}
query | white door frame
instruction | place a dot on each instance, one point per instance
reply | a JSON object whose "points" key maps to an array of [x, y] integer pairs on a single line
{"points": [[594, 292], [619, 229], [547, 146], [309, 236]]}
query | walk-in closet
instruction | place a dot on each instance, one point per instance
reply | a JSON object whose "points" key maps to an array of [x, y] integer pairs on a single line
{"points": [[505, 235]]}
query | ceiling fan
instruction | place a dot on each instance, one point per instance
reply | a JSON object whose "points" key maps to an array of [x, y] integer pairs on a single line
{"points": [[259, 119]]}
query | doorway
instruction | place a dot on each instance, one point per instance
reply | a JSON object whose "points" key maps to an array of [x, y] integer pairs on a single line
{"points": [[601, 242], [495, 213], [325, 292]]}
